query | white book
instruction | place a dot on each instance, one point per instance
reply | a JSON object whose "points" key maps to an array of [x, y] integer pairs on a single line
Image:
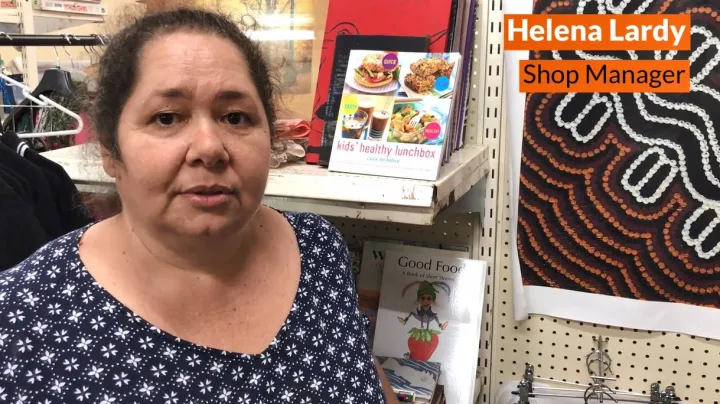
{"points": [[371, 268], [431, 310]]}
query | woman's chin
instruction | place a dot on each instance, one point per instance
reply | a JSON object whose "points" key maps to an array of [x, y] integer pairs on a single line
{"points": [[211, 226]]}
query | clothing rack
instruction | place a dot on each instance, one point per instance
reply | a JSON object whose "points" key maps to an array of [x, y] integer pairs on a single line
{"points": [[52, 40], [37, 96]]}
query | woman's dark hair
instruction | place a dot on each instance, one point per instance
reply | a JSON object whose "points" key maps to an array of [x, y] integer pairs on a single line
{"points": [[119, 65]]}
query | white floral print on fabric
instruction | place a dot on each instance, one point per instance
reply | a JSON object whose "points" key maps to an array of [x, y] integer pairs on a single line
{"points": [[64, 339]]}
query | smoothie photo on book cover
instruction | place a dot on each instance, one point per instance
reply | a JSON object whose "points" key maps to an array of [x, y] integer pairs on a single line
{"points": [[424, 340], [364, 117]]}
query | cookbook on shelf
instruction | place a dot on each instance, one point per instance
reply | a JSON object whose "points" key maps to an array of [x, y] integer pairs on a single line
{"points": [[395, 113]]}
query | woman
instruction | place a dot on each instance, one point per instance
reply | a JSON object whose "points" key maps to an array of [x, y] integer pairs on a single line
{"points": [[194, 292]]}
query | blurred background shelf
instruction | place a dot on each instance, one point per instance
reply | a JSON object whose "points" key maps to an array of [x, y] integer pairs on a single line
{"points": [[309, 188]]}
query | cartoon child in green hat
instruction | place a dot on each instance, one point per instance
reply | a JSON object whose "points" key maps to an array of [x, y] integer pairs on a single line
{"points": [[423, 341]]}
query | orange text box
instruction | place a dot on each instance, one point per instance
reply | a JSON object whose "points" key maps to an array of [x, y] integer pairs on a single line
{"points": [[604, 76], [597, 32]]}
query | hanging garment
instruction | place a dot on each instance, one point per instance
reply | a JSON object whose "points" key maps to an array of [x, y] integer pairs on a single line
{"points": [[8, 96], [72, 212], [57, 85], [43, 201], [17, 184], [20, 232], [85, 134]]}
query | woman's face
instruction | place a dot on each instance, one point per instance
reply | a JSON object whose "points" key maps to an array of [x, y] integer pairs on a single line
{"points": [[194, 139]]}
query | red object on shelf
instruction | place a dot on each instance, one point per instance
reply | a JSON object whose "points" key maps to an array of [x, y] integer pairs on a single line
{"points": [[429, 18]]}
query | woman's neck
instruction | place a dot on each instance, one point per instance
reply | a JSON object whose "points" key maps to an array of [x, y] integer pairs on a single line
{"points": [[194, 292], [217, 255]]}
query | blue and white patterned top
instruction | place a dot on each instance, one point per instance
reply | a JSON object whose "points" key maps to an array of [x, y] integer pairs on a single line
{"points": [[65, 339]]}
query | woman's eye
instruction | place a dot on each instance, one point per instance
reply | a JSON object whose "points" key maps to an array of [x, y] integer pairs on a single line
{"points": [[165, 119], [237, 118]]}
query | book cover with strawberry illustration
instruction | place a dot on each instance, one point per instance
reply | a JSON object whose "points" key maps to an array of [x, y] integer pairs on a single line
{"points": [[369, 278], [431, 310]]}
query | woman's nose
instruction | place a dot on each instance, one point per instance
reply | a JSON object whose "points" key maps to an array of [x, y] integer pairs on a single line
{"points": [[206, 144]]}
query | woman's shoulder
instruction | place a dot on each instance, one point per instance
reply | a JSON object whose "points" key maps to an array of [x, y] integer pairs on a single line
{"points": [[43, 267], [315, 228], [318, 238]]}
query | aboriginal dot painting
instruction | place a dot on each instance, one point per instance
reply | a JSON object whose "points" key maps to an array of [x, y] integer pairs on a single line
{"points": [[620, 193]]}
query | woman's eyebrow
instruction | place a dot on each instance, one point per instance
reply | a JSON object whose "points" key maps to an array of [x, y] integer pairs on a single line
{"points": [[224, 96], [232, 95], [173, 93]]}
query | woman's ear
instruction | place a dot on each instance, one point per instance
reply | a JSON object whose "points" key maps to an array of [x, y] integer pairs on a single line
{"points": [[110, 163]]}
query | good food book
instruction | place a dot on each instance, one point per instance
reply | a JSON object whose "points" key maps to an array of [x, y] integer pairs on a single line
{"points": [[370, 273], [395, 113], [431, 310]]}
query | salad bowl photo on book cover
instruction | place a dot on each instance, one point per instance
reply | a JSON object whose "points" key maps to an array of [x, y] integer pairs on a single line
{"points": [[410, 118]]}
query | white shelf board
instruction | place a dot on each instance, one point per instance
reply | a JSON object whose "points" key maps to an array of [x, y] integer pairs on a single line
{"points": [[309, 188], [9, 16], [81, 18]]}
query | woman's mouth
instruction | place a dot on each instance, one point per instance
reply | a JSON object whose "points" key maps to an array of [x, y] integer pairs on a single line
{"points": [[208, 196]]}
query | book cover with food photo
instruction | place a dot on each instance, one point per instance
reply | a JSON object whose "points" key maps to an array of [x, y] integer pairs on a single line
{"points": [[395, 114], [427, 18], [431, 310]]}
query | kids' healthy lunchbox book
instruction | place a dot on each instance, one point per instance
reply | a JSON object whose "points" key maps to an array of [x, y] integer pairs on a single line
{"points": [[395, 114]]}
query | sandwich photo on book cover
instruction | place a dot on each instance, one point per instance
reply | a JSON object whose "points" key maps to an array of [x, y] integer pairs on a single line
{"points": [[373, 72]]}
